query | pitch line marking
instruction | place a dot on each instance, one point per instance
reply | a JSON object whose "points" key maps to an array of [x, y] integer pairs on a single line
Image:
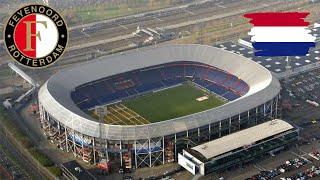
{"points": [[119, 119], [121, 115], [137, 115], [133, 116], [111, 120]]}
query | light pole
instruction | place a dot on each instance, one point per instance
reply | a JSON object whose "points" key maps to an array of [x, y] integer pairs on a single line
{"points": [[288, 69], [101, 112]]}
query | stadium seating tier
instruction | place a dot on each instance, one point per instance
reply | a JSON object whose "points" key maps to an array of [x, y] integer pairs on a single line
{"points": [[138, 82]]}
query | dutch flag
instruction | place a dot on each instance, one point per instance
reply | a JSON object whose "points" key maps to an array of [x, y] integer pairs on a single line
{"points": [[280, 34]]}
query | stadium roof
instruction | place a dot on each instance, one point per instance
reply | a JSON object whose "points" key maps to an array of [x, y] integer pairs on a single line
{"points": [[242, 138], [55, 94]]}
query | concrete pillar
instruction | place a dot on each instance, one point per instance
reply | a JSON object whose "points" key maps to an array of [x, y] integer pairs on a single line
{"points": [[229, 125], [121, 163], [188, 139], [209, 132], [74, 144], [66, 134], [94, 150], [220, 128], [276, 107], [239, 121], [256, 118], [135, 153], [163, 151], [149, 152], [175, 146]]}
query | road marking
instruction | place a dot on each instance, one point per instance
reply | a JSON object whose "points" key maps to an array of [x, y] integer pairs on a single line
{"points": [[123, 26], [259, 167], [301, 156], [157, 18], [302, 151], [219, 5], [314, 157], [190, 12], [86, 34]]}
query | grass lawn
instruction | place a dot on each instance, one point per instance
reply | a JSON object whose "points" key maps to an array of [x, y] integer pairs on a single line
{"points": [[5, 72], [171, 103], [92, 13]]}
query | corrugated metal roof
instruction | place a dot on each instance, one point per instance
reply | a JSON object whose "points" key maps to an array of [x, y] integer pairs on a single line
{"points": [[242, 138]]}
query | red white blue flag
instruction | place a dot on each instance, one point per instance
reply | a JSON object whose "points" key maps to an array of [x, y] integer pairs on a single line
{"points": [[280, 34]]}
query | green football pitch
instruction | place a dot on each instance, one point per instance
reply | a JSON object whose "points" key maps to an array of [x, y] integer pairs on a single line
{"points": [[172, 103]]}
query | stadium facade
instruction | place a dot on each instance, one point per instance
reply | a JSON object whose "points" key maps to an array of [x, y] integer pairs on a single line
{"points": [[66, 122]]}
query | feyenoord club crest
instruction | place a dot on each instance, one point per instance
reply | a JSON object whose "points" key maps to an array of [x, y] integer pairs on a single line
{"points": [[36, 36]]}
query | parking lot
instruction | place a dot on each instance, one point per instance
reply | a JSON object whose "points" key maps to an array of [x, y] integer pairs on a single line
{"points": [[305, 116], [274, 64], [304, 86], [292, 163]]}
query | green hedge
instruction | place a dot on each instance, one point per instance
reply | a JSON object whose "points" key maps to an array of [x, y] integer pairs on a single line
{"points": [[55, 170], [43, 159], [18, 134]]}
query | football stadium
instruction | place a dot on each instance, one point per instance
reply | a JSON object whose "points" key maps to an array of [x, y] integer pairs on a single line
{"points": [[145, 107]]}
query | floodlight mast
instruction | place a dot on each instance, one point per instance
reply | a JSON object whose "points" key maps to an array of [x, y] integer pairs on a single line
{"points": [[288, 69], [101, 112]]}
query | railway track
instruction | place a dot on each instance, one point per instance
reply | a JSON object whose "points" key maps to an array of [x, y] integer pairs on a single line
{"points": [[106, 41], [108, 45], [174, 21]]}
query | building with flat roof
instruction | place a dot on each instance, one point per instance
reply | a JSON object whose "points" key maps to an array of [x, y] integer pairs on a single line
{"points": [[238, 148]]}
